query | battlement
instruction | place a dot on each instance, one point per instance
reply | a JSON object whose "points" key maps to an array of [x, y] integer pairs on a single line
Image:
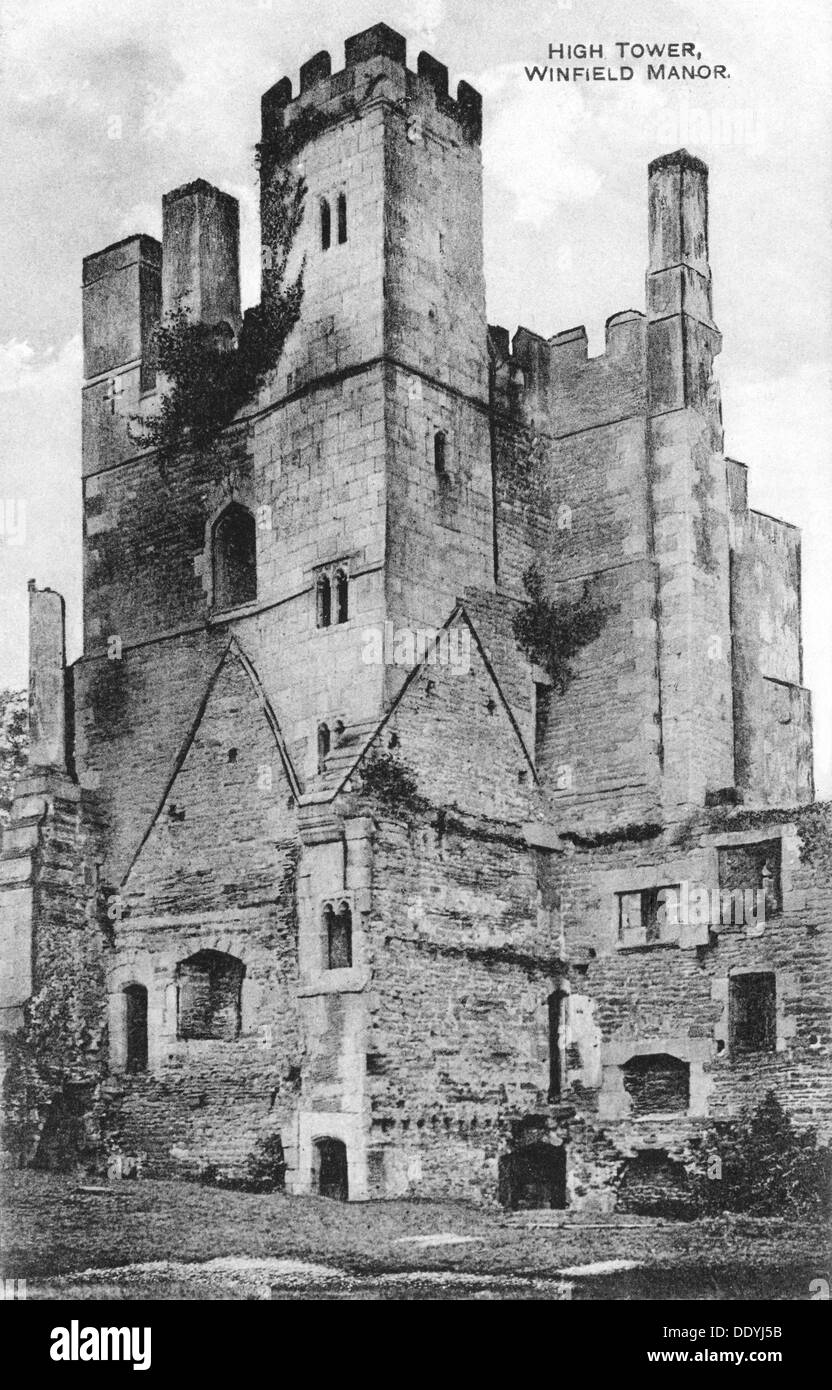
{"points": [[541, 376], [375, 67]]}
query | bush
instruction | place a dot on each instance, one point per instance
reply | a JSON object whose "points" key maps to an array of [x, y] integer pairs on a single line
{"points": [[768, 1168]]}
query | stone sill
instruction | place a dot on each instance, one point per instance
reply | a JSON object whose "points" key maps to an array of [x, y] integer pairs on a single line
{"points": [[349, 981], [647, 945]]}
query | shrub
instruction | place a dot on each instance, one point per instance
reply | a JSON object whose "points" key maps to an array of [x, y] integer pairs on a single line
{"points": [[768, 1168]]}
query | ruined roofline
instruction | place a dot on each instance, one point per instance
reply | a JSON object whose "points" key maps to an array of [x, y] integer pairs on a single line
{"points": [[380, 41], [198, 187], [681, 159]]}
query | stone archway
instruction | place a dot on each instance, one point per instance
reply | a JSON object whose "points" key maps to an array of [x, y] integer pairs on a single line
{"points": [[330, 1170]]}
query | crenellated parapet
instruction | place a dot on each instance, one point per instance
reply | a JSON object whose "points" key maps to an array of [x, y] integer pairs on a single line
{"points": [[375, 68], [554, 383]]}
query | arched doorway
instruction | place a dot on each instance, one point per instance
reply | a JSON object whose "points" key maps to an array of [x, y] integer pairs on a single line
{"points": [[329, 1169], [652, 1184], [533, 1176], [135, 999]]}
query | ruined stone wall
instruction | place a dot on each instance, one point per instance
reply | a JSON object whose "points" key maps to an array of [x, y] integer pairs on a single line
{"points": [[631, 1000], [216, 873], [54, 1030], [574, 498], [462, 954], [772, 709]]}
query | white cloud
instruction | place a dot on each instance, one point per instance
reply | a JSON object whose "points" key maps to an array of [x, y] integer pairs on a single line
{"points": [[24, 369], [530, 147]]}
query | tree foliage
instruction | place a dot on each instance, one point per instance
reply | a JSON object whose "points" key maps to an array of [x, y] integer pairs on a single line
{"points": [[14, 745]]}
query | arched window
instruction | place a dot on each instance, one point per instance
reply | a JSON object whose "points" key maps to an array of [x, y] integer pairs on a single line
{"points": [[338, 928], [323, 746], [323, 601], [439, 460], [342, 606], [135, 1000], [342, 217], [326, 225], [210, 990], [235, 558]]}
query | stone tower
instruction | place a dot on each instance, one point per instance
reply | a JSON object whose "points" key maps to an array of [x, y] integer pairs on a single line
{"points": [[401, 926]]}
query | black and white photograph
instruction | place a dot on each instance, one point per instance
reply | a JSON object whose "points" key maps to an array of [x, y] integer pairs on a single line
{"points": [[415, 664]]}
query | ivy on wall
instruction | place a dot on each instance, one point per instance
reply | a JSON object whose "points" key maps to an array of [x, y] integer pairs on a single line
{"points": [[209, 376], [551, 633]]}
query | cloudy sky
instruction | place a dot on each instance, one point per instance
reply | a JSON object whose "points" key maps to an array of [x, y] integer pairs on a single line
{"points": [[106, 104]]}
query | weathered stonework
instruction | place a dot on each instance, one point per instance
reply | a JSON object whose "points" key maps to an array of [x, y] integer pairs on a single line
{"points": [[407, 917]]}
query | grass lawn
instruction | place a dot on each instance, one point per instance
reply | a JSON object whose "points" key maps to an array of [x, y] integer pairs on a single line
{"points": [[50, 1228]]}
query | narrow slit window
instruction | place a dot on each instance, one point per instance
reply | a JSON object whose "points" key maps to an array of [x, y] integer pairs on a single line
{"points": [[324, 743], [439, 453], [555, 1006], [342, 605], [326, 225], [338, 937], [342, 217], [323, 601], [135, 997]]}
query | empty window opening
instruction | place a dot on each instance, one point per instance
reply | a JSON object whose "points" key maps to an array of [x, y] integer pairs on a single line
{"points": [[209, 996], [342, 603], [752, 1012], [326, 225], [657, 1084], [135, 1001], [533, 1176], [324, 741], [440, 462], [235, 558], [649, 915], [323, 601], [342, 217], [555, 1004], [330, 1174], [338, 934], [747, 868]]}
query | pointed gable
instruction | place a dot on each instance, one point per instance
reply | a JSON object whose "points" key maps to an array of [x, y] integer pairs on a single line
{"points": [[225, 828], [454, 730]]}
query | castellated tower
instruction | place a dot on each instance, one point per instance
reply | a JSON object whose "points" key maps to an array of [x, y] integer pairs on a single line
{"points": [[381, 923], [366, 460]]}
